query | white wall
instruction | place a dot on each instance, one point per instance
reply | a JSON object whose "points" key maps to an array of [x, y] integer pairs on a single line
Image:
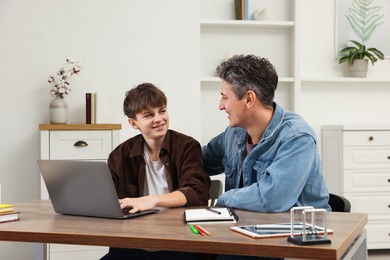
{"points": [[336, 103], [121, 43]]}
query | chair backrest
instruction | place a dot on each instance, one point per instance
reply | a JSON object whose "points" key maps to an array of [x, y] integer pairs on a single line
{"points": [[215, 191], [339, 203]]}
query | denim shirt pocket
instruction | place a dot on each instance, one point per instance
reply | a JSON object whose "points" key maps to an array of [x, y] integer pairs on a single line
{"points": [[229, 172], [260, 167], [230, 176]]}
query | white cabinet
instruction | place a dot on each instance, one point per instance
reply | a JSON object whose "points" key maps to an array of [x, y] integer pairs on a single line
{"points": [[356, 160], [222, 36], [76, 142]]}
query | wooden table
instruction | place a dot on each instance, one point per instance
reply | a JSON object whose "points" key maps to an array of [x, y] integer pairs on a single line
{"points": [[167, 230]]}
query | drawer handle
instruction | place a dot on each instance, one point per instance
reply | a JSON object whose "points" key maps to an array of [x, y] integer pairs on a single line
{"points": [[370, 138], [81, 144]]}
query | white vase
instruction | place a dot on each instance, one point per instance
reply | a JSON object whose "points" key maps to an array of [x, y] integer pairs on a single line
{"points": [[262, 14], [359, 68], [58, 111]]}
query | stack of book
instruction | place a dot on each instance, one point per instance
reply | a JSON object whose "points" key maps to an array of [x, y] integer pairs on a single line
{"points": [[97, 108], [7, 213], [241, 9]]}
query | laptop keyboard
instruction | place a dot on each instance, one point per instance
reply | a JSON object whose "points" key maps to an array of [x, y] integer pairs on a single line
{"points": [[126, 210]]}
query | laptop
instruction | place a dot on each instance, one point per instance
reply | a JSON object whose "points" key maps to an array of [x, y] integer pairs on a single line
{"points": [[83, 188]]}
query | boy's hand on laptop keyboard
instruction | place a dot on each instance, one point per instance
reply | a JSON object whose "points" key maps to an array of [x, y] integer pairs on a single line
{"points": [[138, 204]]}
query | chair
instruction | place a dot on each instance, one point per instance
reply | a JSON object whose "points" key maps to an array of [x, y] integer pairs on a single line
{"points": [[339, 203], [215, 191]]}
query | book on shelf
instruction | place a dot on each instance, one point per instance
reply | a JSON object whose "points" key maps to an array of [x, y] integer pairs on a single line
{"points": [[237, 9], [246, 9], [241, 8], [210, 215], [93, 108], [6, 207], [87, 108], [97, 108], [102, 108], [9, 216]]}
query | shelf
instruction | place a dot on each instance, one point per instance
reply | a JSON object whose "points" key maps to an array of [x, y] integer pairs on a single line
{"points": [[246, 24], [216, 79], [346, 79], [80, 126]]}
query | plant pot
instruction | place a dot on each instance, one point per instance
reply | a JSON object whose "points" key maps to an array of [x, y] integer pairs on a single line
{"points": [[359, 68], [58, 111]]}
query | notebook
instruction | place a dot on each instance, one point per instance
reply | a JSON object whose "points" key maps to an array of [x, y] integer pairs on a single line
{"points": [[83, 188], [210, 215]]}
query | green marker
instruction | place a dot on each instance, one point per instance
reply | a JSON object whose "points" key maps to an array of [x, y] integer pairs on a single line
{"points": [[194, 230]]}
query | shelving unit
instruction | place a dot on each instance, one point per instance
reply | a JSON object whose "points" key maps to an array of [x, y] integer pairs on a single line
{"points": [[222, 36], [346, 80], [246, 24], [324, 99], [216, 79]]}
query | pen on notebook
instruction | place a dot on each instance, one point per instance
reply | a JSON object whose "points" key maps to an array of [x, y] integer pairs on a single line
{"points": [[213, 210], [203, 229], [193, 229]]}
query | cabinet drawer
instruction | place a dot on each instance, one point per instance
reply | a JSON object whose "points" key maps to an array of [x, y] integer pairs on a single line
{"points": [[65, 252], [378, 235], [366, 157], [367, 180], [63, 144], [370, 138], [377, 205]]}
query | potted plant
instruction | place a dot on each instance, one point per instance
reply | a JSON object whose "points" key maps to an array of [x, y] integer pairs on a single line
{"points": [[358, 56], [364, 17]]}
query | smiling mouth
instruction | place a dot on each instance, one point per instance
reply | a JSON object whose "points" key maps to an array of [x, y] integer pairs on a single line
{"points": [[159, 126]]}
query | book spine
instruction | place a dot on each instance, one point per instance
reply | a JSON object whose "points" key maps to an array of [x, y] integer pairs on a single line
{"points": [[242, 9], [102, 104], [237, 7], [88, 108], [93, 108], [246, 9], [9, 216]]}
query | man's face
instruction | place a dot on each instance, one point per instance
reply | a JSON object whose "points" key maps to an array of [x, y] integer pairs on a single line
{"points": [[234, 107], [153, 123]]}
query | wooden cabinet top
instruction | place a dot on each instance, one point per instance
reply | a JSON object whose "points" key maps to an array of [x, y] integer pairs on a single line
{"points": [[80, 127]]}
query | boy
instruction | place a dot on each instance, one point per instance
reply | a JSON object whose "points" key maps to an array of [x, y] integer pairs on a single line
{"points": [[157, 168]]}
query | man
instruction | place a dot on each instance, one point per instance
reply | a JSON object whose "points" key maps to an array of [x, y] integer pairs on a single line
{"points": [[157, 168], [269, 155]]}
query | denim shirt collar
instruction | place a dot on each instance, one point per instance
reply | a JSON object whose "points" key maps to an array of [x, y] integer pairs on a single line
{"points": [[276, 121], [277, 118]]}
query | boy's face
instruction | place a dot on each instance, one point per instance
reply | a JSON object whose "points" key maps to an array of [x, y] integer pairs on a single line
{"points": [[152, 123]]}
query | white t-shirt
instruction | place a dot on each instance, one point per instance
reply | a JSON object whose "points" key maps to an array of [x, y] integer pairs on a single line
{"points": [[156, 176]]}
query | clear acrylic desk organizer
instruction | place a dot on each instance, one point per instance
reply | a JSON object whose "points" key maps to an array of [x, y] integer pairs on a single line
{"points": [[306, 228]]}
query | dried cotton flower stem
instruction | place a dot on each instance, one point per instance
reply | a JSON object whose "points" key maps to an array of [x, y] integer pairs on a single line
{"points": [[61, 81]]}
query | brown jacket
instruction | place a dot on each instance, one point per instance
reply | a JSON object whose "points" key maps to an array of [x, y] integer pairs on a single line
{"points": [[182, 158]]}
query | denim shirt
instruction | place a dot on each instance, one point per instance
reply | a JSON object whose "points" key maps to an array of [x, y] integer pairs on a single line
{"points": [[282, 171]]}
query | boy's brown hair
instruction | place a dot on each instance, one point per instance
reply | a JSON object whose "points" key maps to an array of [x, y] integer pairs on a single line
{"points": [[141, 98]]}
